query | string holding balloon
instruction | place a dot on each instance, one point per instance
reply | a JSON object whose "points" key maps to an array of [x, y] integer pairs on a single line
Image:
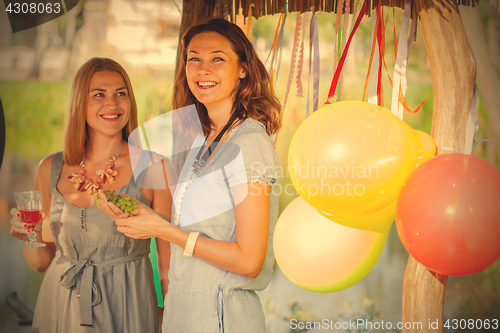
{"points": [[458, 150]]}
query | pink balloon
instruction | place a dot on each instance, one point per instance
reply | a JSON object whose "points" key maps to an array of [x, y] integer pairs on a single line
{"points": [[448, 214]]}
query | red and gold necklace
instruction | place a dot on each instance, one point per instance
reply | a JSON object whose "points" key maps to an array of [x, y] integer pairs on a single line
{"points": [[86, 184]]}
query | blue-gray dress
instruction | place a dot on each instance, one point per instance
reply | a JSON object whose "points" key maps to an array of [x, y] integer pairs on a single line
{"points": [[201, 297], [99, 280]]}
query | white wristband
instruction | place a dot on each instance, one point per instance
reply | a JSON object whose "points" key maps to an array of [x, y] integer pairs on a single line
{"points": [[191, 242]]}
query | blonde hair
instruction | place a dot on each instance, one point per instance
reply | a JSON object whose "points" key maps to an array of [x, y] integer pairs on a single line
{"points": [[76, 129]]}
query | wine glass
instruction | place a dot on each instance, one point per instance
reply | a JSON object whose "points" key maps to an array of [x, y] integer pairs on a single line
{"points": [[29, 204]]}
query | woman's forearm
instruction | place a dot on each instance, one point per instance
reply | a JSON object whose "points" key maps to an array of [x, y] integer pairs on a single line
{"points": [[222, 254], [39, 258], [246, 255]]}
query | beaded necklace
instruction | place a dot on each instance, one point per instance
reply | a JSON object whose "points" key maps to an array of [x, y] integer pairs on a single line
{"points": [[82, 183]]}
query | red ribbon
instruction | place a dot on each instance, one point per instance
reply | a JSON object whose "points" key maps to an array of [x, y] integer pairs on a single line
{"points": [[335, 80]]}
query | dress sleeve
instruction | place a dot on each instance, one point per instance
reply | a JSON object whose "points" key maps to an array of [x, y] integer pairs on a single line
{"points": [[254, 160]]}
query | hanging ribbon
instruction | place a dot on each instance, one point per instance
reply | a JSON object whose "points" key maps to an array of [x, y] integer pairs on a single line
{"points": [[400, 85], [403, 81], [399, 76], [381, 52], [347, 29], [376, 92], [471, 129], [379, 38], [250, 22], [274, 51], [338, 20], [370, 83], [473, 124], [394, 32], [402, 99], [296, 41], [311, 32], [338, 40], [305, 19], [277, 55], [314, 22], [313, 46], [282, 30], [336, 49], [331, 93]]}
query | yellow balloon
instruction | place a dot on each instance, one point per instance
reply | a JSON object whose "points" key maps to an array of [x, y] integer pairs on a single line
{"points": [[427, 145], [379, 221], [352, 158], [320, 255]]}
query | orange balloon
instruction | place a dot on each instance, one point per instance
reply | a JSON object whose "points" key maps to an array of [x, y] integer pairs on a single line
{"points": [[448, 214], [352, 158], [320, 255]]}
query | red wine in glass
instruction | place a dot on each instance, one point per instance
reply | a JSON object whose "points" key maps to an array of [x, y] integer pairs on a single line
{"points": [[29, 205], [31, 216]]}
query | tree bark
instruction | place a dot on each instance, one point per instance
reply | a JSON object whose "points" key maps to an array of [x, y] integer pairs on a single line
{"points": [[194, 12], [453, 74]]}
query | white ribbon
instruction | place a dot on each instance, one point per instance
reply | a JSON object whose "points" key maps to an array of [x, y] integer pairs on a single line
{"points": [[399, 77], [471, 128]]}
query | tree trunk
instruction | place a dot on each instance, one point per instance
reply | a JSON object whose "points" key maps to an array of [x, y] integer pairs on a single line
{"points": [[71, 25], [194, 12], [42, 43], [453, 74]]}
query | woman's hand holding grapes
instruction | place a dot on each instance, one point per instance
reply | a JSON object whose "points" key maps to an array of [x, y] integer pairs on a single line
{"points": [[140, 223]]}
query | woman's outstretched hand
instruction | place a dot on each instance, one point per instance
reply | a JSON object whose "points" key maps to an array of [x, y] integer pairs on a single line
{"points": [[109, 208], [145, 223]]}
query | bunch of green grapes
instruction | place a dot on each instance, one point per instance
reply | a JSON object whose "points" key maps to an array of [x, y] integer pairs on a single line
{"points": [[125, 203]]}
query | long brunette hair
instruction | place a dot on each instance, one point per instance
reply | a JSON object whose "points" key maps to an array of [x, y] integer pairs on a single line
{"points": [[252, 96]]}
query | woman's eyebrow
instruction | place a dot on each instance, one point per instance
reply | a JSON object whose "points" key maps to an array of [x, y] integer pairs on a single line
{"points": [[216, 51], [100, 89]]}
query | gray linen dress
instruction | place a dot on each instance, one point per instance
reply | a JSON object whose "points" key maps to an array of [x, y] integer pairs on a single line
{"points": [[201, 297], [99, 280]]}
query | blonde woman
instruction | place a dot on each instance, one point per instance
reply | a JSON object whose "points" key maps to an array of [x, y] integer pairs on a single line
{"points": [[96, 279]]}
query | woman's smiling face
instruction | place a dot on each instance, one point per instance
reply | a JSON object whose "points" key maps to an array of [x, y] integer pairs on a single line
{"points": [[108, 105], [213, 70]]}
